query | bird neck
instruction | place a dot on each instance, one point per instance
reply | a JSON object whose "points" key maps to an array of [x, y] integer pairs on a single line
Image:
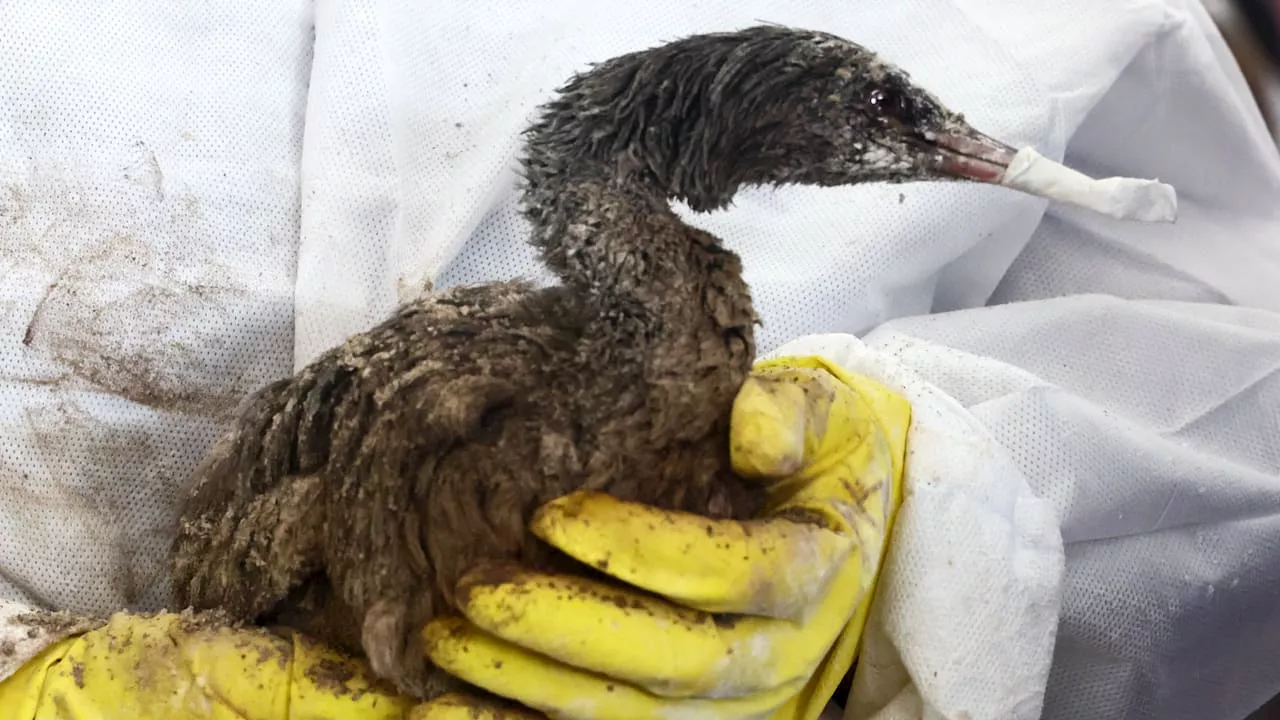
{"points": [[616, 241]]}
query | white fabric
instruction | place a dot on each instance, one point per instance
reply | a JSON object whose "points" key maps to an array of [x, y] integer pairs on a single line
{"points": [[156, 253], [1152, 427], [148, 223]]}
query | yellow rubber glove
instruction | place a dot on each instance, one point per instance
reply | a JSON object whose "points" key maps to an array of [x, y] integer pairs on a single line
{"points": [[145, 667], [797, 582]]}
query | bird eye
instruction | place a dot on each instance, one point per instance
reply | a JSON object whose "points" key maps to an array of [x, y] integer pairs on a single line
{"points": [[891, 103]]}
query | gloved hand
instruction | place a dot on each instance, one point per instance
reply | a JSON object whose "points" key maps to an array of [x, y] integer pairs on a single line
{"points": [[797, 582], [138, 667]]}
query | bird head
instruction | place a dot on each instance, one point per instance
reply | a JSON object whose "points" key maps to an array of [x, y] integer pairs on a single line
{"points": [[702, 116], [864, 120]]}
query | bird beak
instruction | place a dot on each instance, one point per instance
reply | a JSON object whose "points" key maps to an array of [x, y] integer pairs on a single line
{"points": [[966, 154], [963, 153]]}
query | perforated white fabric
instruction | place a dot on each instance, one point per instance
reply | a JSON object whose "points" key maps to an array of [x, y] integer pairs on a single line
{"points": [[1152, 427], [151, 224], [148, 225]]}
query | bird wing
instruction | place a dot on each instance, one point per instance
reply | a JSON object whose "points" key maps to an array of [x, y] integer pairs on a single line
{"points": [[424, 379]]}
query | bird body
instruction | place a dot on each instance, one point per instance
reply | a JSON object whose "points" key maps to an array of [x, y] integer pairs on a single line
{"points": [[419, 449], [350, 499]]}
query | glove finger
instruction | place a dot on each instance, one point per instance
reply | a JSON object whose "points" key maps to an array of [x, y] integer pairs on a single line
{"points": [[507, 670], [769, 428], [770, 567], [652, 644], [853, 434], [843, 415], [455, 706], [611, 631]]}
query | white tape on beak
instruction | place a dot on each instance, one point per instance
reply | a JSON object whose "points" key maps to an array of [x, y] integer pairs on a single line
{"points": [[1117, 197]]}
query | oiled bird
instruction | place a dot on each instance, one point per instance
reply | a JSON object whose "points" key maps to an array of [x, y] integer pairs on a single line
{"points": [[351, 497]]}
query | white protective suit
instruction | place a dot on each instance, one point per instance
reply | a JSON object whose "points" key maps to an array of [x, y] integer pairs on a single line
{"points": [[197, 198]]}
